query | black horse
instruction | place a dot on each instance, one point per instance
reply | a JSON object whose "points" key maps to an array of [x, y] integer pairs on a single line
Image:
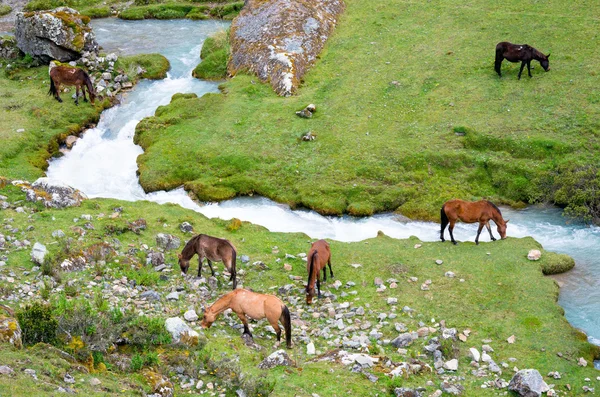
{"points": [[519, 52]]}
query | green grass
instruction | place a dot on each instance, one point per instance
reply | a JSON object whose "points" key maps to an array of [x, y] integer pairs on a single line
{"points": [[503, 294], [191, 10], [392, 85], [46, 123], [214, 55], [5, 9], [96, 12]]}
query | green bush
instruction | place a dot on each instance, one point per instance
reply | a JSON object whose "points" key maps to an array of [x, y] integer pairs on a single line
{"points": [[5, 9], [553, 263], [38, 324], [146, 331]]}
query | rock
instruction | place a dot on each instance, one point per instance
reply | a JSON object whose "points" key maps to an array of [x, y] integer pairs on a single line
{"points": [[38, 253], [245, 258], [173, 296], [156, 259], [534, 255], [450, 274], [185, 226], [402, 340], [451, 365], [449, 333], [106, 76], [58, 234], [405, 392], [136, 226], [451, 388], [167, 241], [304, 113], [511, 339], [582, 362], [30, 372], [528, 383], [181, 332], [8, 47], [310, 349], [161, 386], [279, 40], [439, 261], [278, 357], [378, 282], [10, 331], [61, 34], [6, 370], [287, 267], [95, 382], [190, 315], [150, 295], [70, 141], [475, 354], [53, 193]]}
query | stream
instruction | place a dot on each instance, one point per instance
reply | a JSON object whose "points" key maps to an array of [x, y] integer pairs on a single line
{"points": [[103, 164]]}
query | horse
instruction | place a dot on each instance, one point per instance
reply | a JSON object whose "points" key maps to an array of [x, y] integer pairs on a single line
{"points": [[70, 76], [470, 212], [318, 257], [254, 305], [519, 52], [213, 249]]}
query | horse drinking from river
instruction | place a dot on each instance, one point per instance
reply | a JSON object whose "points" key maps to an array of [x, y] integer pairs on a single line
{"points": [[213, 249], [318, 257], [470, 212], [254, 305], [519, 52], [70, 76]]}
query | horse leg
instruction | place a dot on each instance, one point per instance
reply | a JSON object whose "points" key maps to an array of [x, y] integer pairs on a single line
{"points": [[479, 232], [210, 265], [275, 324], [529, 68], [200, 259], [521, 71], [324, 273], [57, 85], [83, 92], [487, 224], [242, 317], [318, 286], [329, 264], [76, 95], [450, 229], [444, 222], [499, 60]]}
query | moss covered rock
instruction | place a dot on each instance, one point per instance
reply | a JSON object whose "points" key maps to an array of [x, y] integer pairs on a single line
{"points": [[553, 263], [61, 34], [10, 331], [279, 40]]}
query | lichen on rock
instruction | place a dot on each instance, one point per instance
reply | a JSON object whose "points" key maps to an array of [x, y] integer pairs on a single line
{"points": [[280, 40], [61, 34], [10, 331]]}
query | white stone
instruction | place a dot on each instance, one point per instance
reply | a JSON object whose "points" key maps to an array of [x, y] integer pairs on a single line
{"points": [[38, 253], [177, 328], [451, 365], [534, 255], [475, 354], [310, 349], [190, 315]]}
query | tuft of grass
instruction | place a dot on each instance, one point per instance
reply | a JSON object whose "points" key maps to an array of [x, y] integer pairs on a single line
{"points": [[5, 9], [215, 55], [156, 66]]}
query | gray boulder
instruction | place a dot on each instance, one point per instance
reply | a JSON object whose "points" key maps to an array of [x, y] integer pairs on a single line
{"points": [[402, 340], [167, 241], [52, 193], [38, 253], [8, 47], [181, 332], [406, 392], [279, 357], [61, 34], [279, 40], [528, 383]]}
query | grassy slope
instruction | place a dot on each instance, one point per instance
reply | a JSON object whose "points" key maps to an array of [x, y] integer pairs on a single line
{"points": [[503, 294], [24, 104], [394, 81]]}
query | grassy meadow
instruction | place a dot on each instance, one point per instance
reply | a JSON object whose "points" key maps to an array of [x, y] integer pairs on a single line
{"points": [[496, 293], [395, 83]]}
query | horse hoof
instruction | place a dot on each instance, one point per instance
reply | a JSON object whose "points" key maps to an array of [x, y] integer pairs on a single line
{"points": [[454, 242]]}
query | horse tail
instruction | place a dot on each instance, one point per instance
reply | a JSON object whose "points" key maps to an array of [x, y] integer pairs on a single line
{"points": [[233, 267], [287, 325], [52, 91], [444, 221], [311, 265]]}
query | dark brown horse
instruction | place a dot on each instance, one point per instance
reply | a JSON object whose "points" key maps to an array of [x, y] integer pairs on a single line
{"points": [[318, 257], [213, 249], [70, 76], [257, 306], [470, 212], [520, 52]]}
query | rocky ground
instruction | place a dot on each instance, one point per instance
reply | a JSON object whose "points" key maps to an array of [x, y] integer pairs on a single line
{"points": [[7, 22], [398, 328]]}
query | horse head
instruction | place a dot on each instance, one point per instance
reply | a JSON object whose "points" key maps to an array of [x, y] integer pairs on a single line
{"points": [[92, 96], [208, 319], [502, 228], [310, 293], [545, 62], [184, 264]]}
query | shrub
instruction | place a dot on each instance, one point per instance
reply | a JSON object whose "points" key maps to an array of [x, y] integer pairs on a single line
{"points": [[234, 224], [5, 9], [146, 331], [38, 324], [553, 263]]}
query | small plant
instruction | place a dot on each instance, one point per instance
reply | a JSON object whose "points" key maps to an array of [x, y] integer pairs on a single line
{"points": [[37, 323], [234, 224], [45, 290], [137, 362]]}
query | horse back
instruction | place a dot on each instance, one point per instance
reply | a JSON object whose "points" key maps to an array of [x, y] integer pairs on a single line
{"points": [[321, 247], [215, 248]]}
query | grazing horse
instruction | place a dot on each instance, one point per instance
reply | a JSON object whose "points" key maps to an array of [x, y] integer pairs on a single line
{"points": [[213, 249], [470, 212], [70, 76], [257, 306], [519, 52], [318, 257]]}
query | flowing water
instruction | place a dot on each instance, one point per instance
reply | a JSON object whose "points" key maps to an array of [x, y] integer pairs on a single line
{"points": [[103, 164]]}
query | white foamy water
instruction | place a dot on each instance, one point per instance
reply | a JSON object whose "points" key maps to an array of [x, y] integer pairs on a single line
{"points": [[103, 164]]}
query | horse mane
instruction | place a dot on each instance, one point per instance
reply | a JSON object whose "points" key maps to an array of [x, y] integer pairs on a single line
{"points": [[188, 250], [310, 270], [495, 207], [538, 54]]}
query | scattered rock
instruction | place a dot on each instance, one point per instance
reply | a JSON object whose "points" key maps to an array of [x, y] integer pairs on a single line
{"points": [[38, 253], [6, 370], [439, 261], [451, 365], [402, 340], [310, 349], [582, 362], [167, 241], [278, 357], [405, 392], [451, 388], [181, 332], [528, 383], [52, 193], [511, 339], [475, 354], [534, 255], [190, 315], [70, 141]]}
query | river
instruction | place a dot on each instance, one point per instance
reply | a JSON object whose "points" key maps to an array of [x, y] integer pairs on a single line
{"points": [[103, 164]]}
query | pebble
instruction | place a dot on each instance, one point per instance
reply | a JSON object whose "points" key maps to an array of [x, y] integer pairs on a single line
{"points": [[439, 261]]}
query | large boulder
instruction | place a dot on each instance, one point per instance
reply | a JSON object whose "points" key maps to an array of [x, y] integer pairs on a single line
{"points": [[53, 193], [528, 383], [279, 40], [10, 331], [181, 332], [61, 34]]}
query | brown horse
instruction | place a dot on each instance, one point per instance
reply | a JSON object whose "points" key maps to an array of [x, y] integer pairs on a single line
{"points": [[257, 306], [519, 52], [318, 257], [70, 76], [213, 249], [470, 212]]}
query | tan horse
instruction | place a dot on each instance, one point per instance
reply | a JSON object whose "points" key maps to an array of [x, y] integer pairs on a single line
{"points": [[257, 306], [470, 212], [318, 257], [70, 76], [213, 249]]}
